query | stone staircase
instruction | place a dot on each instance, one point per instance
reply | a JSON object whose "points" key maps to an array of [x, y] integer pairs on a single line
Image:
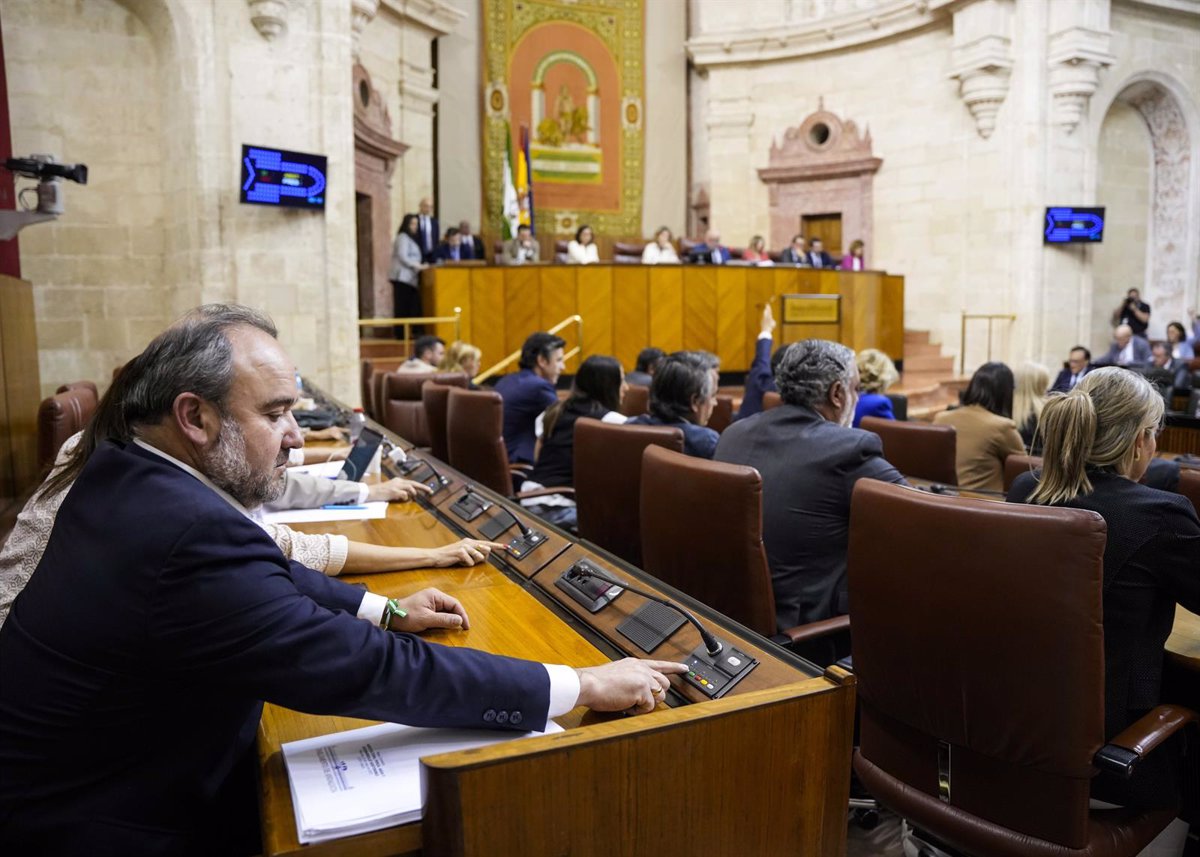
{"points": [[929, 379]]}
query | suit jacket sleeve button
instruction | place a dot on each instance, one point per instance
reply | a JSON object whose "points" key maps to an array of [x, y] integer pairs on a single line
{"points": [[489, 715], [501, 717], [515, 718]]}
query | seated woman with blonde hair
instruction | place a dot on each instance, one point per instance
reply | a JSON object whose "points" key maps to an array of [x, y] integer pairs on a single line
{"points": [[876, 372], [1032, 387], [1100, 439], [757, 251], [660, 251], [461, 357]]}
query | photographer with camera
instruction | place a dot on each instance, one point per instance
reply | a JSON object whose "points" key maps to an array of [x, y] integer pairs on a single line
{"points": [[1134, 312]]}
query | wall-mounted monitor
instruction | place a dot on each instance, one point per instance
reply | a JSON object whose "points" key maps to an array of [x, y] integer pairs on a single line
{"points": [[276, 177], [1068, 225]]}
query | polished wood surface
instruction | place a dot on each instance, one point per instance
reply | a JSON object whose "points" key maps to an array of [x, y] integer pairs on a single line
{"points": [[627, 307], [20, 390], [644, 773], [1180, 435]]}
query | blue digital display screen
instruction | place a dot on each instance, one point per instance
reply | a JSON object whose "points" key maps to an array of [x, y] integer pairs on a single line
{"points": [[276, 177], [1074, 225]]}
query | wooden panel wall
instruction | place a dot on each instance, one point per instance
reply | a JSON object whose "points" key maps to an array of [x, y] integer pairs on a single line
{"points": [[20, 390], [628, 307]]}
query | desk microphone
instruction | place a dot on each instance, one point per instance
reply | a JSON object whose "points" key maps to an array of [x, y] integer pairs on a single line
{"points": [[711, 643], [525, 531], [393, 453], [442, 480]]}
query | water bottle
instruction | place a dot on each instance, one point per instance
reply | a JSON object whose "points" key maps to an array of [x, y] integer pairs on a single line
{"points": [[357, 420]]}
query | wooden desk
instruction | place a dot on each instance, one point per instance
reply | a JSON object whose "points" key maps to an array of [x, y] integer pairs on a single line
{"points": [[1181, 434], [763, 770], [627, 307]]}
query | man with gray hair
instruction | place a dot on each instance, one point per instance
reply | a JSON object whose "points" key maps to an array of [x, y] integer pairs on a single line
{"points": [[809, 458], [135, 662]]}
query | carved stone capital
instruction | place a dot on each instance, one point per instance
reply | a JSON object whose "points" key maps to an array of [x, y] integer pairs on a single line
{"points": [[982, 59], [362, 12], [1076, 56], [269, 17]]}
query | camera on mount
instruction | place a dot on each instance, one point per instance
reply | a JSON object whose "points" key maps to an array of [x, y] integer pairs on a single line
{"points": [[49, 174], [44, 167]]}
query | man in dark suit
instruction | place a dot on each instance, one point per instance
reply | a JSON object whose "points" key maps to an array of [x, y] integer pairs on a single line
{"points": [[1078, 365], [809, 459], [796, 253], [469, 246], [817, 257], [450, 250], [530, 391], [427, 230], [1178, 370], [134, 664], [711, 252], [1126, 350]]}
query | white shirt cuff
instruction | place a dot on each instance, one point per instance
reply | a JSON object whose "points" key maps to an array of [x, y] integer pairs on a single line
{"points": [[766, 335], [363, 490], [372, 607], [339, 549], [564, 689]]}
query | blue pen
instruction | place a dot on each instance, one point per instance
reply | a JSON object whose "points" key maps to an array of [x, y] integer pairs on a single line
{"points": [[340, 506]]}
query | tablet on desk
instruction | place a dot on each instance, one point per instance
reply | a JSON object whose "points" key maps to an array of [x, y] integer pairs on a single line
{"points": [[360, 456]]}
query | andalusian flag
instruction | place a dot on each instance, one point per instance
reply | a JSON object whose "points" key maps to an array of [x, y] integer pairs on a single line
{"points": [[524, 185], [510, 210]]}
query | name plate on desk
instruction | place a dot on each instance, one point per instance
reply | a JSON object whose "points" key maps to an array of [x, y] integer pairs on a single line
{"points": [[811, 309]]}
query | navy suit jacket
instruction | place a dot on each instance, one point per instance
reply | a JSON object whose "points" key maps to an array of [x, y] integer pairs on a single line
{"points": [[704, 255], [444, 253], [820, 260], [473, 250], [1062, 384], [1141, 354], [134, 665], [809, 467], [760, 379], [428, 242], [526, 394]]}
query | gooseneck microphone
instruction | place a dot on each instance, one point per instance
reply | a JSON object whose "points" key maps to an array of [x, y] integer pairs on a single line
{"points": [[711, 643]]}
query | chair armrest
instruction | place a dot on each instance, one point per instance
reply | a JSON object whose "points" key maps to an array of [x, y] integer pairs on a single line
{"points": [[816, 630], [1120, 754], [543, 492], [519, 467]]}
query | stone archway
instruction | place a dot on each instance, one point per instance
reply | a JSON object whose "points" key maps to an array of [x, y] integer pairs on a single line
{"points": [[1172, 251]]}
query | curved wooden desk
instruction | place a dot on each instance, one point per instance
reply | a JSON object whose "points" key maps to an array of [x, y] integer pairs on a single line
{"points": [[764, 770]]}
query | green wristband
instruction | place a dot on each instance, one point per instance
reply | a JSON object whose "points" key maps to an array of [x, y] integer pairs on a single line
{"points": [[390, 610]]}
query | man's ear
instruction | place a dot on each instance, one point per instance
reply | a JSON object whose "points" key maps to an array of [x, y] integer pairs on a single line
{"points": [[837, 395], [196, 418]]}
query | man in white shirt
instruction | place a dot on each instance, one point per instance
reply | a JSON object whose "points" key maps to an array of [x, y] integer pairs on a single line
{"points": [[1126, 350], [427, 230]]}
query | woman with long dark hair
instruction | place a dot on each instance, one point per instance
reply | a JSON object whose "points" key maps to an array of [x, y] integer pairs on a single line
{"points": [[986, 432], [406, 269], [597, 392]]}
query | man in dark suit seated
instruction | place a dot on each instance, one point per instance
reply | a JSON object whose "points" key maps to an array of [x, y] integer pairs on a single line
{"points": [[450, 250], [1126, 350], [796, 253], [711, 252], [817, 257], [647, 364], [809, 459], [683, 394], [469, 246], [530, 391], [1078, 365], [135, 663], [1178, 370]]}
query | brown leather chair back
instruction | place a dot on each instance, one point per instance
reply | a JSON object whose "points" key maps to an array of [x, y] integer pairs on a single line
{"points": [[475, 438], [1015, 465], [921, 450], [75, 385], [608, 481], [61, 416], [727, 568], [981, 649], [722, 415], [771, 399], [400, 405], [636, 401], [1189, 486], [436, 398], [367, 390]]}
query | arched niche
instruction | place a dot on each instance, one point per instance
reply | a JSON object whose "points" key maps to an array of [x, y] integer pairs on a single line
{"points": [[821, 166]]}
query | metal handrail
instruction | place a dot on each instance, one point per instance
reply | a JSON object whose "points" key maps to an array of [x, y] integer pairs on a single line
{"points": [[407, 323], [577, 320], [962, 338]]}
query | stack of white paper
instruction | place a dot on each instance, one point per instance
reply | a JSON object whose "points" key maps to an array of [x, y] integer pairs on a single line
{"points": [[368, 779], [352, 512]]}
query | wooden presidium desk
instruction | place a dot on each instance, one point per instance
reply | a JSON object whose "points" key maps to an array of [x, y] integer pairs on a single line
{"points": [[763, 770], [627, 307]]}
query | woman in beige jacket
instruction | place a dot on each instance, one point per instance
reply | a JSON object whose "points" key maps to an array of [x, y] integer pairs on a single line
{"points": [[986, 433]]}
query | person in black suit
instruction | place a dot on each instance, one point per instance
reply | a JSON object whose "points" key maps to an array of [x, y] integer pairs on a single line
{"points": [[1078, 364], [1100, 441], [796, 253], [469, 246], [427, 230], [1134, 312], [817, 257], [809, 459], [450, 250], [135, 662]]}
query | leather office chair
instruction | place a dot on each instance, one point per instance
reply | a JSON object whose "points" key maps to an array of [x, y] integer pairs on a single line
{"points": [[981, 706], [1189, 486], [560, 252], [608, 482], [436, 399], [726, 569], [722, 415], [75, 385], [899, 405], [636, 401], [771, 399], [399, 401], [627, 253], [1015, 465], [475, 438], [920, 450], [61, 416], [367, 387]]}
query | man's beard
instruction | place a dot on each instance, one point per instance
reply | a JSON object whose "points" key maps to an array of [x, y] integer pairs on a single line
{"points": [[226, 466]]}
